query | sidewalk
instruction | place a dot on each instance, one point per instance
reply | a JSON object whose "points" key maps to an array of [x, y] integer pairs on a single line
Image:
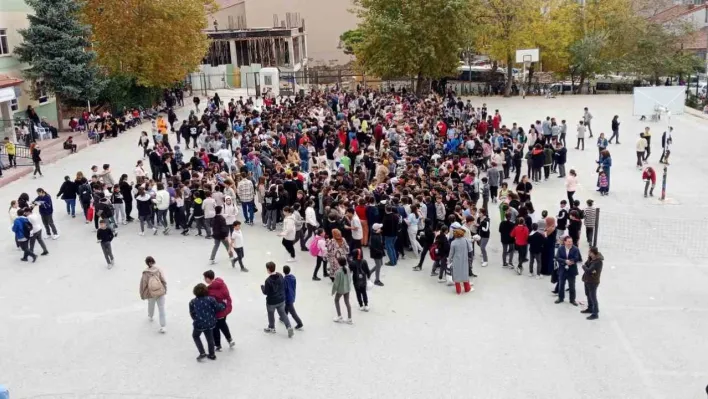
{"points": [[53, 150]]}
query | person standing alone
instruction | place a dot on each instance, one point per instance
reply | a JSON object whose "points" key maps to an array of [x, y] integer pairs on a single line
{"points": [[153, 287], [591, 278]]}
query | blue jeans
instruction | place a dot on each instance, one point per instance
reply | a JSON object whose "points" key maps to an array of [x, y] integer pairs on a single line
{"points": [[390, 243], [305, 165], [248, 208], [71, 206]]}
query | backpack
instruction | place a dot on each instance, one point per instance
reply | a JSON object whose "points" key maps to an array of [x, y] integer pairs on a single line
{"points": [[434, 252], [314, 249], [155, 286]]}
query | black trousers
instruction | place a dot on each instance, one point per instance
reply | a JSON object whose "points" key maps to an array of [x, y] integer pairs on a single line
{"points": [[521, 249], [221, 327], [290, 310], [26, 250], [320, 262], [209, 335], [361, 296], [289, 246], [591, 294]]}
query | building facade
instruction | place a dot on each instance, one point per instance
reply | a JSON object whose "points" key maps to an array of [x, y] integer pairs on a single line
{"points": [[13, 17]]}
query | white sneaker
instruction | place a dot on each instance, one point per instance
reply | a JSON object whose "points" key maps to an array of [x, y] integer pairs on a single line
{"points": [[471, 289], [366, 308], [232, 344], [531, 274], [361, 308], [349, 321], [212, 262], [150, 318], [55, 237], [484, 264], [142, 233], [124, 223], [290, 260], [338, 319], [538, 277], [163, 330]]}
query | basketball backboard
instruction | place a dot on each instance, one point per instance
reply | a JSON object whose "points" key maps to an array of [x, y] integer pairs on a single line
{"points": [[527, 55]]}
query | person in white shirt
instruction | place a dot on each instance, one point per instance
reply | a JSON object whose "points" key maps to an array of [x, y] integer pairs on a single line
{"points": [[230, 212], [36, 233], [641, 147], [311, 223], [581, 135], [413, 221], [355, 227], [236, 245], [289, 232], [162, 202], [209, 207]]}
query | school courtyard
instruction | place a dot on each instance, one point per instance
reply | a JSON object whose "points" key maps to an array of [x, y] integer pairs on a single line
{"points": [[71, 329]]}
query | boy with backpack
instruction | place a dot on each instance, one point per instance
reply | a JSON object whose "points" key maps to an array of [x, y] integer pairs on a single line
{"points": [[290, 290], [104, 235]]}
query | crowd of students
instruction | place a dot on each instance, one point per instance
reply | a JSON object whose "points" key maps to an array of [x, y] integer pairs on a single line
{"points": [[337, 172]]}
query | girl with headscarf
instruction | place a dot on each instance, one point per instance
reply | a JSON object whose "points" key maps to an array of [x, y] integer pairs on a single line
{"points": [[337, 248]]}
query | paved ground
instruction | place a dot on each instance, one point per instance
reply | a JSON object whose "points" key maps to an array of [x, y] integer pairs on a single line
{"points": [[72, 329]]}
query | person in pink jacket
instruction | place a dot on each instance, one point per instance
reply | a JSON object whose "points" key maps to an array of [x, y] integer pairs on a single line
{"points": [[571, 184]]}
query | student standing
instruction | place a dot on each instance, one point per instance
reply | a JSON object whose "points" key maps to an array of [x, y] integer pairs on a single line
{"points": [[483, 230], [153, 287], [104, 235], [36, 233], [46, 211], [290, 291], [360, 276], [203, 309], [591, 278], [520, 234], [505, 228], [318, 249], [220, 233], [236, 246], [376, 252], [219, 291], [536, 241], [274, 291], [589, 214], [341, 288], [67, 192]]}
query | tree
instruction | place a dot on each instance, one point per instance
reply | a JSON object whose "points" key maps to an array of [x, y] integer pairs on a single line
{"points": [[350, 39], [503, 27], [586, 57], [403, 38], [157, 42], [56, 48]]}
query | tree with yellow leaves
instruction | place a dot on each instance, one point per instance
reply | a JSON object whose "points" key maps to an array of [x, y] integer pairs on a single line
{"points": [[504, 27], [158, 42]]}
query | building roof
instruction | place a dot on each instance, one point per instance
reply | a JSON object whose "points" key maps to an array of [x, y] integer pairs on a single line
{"points": [[697, 40], [9, 81], [675, 12]]}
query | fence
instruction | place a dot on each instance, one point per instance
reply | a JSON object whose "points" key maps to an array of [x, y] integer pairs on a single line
{"points": [[23, 156], [292, 82]]}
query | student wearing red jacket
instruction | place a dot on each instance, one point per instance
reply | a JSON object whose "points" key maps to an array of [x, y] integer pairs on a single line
{"points": [[649, 176], [218, 289], [520, 234]]}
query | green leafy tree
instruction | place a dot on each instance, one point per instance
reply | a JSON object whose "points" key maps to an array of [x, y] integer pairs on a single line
{"points": [[56, 48], [404, 38], [350, 39]]}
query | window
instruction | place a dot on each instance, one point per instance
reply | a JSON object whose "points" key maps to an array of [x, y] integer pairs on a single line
{"points": [[14, 105], [268, 80], [4, 47], [41, 93]]}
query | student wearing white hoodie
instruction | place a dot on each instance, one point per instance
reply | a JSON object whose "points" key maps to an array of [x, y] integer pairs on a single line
{"points": [[289, 232], [162, 203], [208, 206], [230, 211]]}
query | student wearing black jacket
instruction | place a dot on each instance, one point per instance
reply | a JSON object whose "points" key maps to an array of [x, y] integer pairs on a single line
{"points": [[67, 192], [483, 227], [560, 156], [536, 240], [426, 240], [360, 276], [376, 251], [505, 228], [390, 233], [274, 290], [442, 252], [219, 232]]}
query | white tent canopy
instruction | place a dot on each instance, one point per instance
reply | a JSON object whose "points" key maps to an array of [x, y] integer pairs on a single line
{"points": [[659, 99]]}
